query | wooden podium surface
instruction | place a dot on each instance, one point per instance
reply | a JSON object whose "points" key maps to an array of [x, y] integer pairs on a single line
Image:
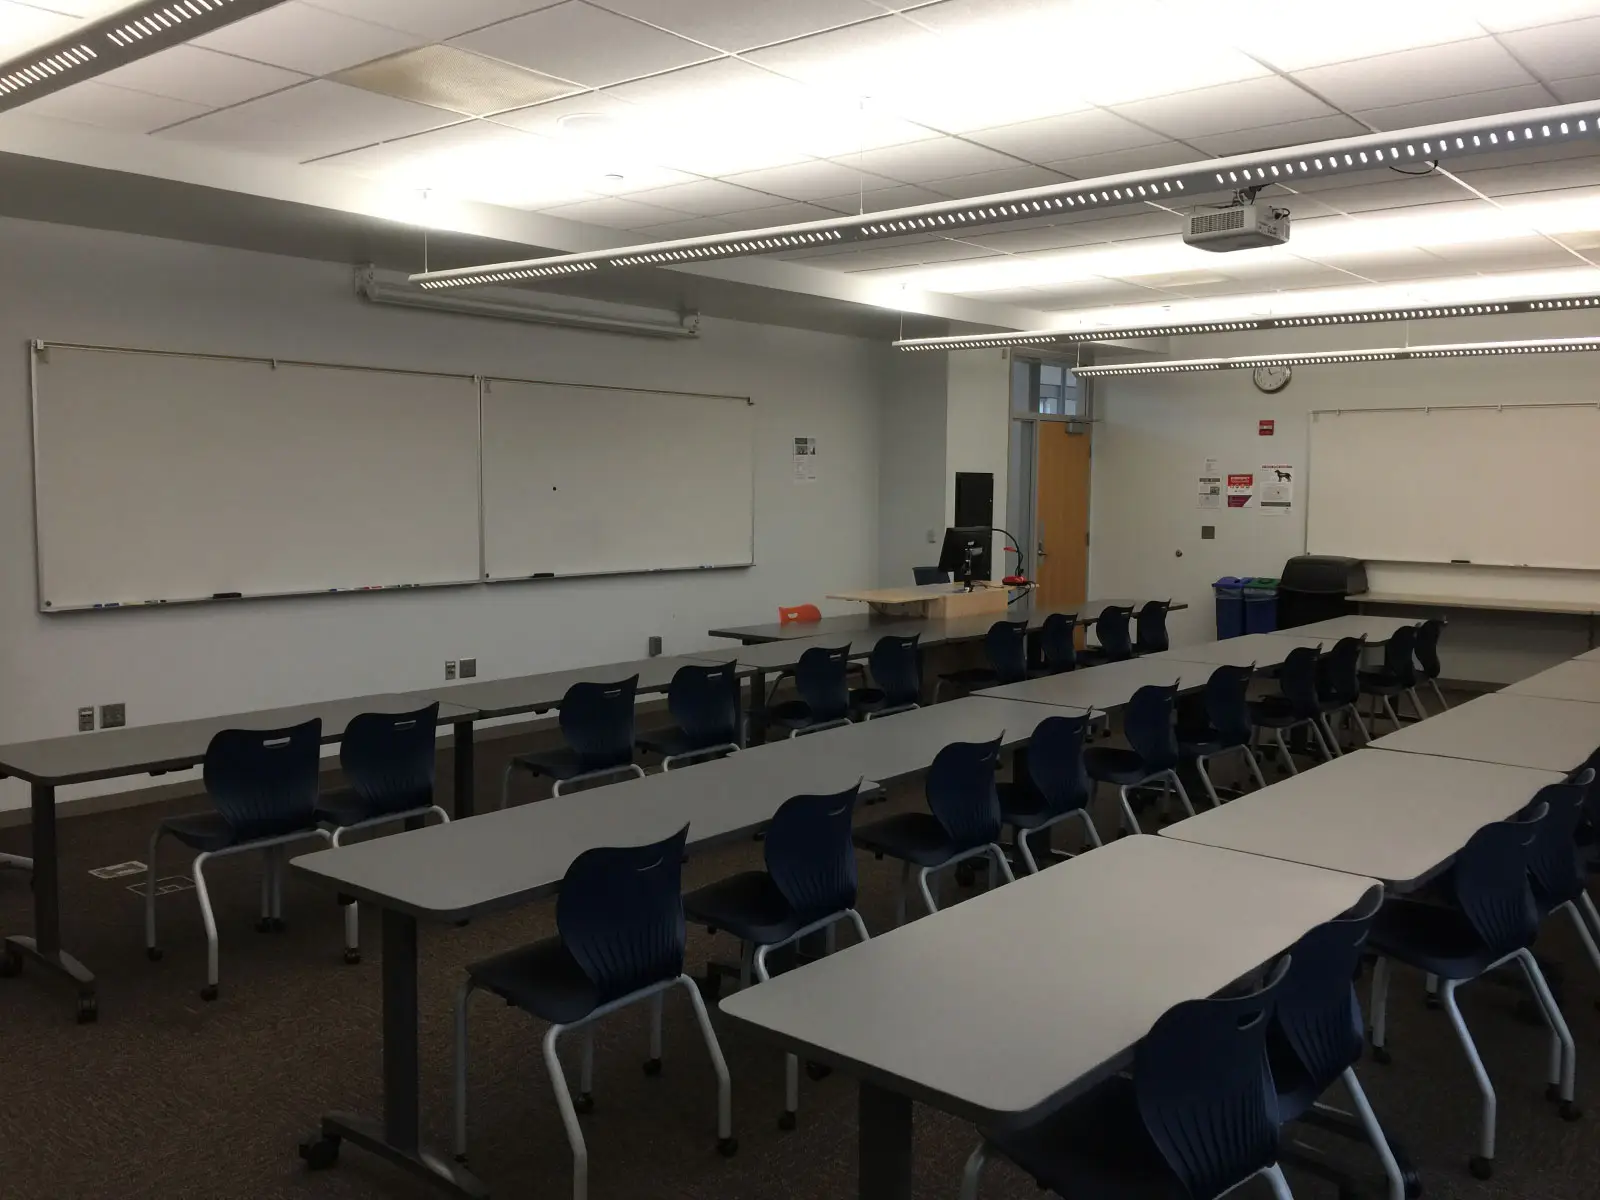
{"points": [[934, 601]]}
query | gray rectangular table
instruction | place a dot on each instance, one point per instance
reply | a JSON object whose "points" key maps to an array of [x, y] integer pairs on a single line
{"points": [[1576, 679], [1008, 1004], [138, 750], [1399, 818], [1375, 629], [934, 632], [1261, 649], [1104, 687], [1521, 731], [863, 625]]}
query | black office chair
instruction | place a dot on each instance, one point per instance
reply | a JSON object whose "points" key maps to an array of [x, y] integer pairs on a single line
{"points": [[929, 575], [962, 821], [1295, 706], [619, 940], [1150, 625], [1555, 863], [597, 722], [1339, 685], [1006, 648], [1152, 756], [809, 886], [1111, 631], [1397, 676], [896, 666], [704, 703], [1428, 668], [388, 765], [1051, 784], [263, 784], [1058, 643], [822, 679], [1226, 727]]}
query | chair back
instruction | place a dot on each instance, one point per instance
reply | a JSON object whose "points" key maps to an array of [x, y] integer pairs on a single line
{"points": [[1111, 630], [1147, 724], [1553, 855], [1297, 680], [1058, 642], [1205, 1092], [1316, 1024], [1151, 627], [799, 612], [388, 758], [620, 913], [1055, 764], [704, 702], [1339, 671], [896, 665], [1397, 655], [1492, 883], [1227, 705], [1425, 648], [821, 677], [810, 855], [926, 575], [597, 721], [1006, 648], [961, 792], [264, 781]]}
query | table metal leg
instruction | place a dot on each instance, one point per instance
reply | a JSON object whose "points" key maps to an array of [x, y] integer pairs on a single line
{"points": [[465, 779], [884, 1142], [396, 1139], [758, 708], [44, 947]]}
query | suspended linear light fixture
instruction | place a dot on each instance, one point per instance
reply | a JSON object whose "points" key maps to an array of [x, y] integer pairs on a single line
{"points": [[1334, 357], [1168, 185], [132, 33]]}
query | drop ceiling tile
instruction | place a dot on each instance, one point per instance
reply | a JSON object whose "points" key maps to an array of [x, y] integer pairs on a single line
{"points": [[1028, 241], [932, 158], [1388, 266], [707, 198], [812, 180], [100, 104], [771, 216], [1117, 162], [904, 195], [1384, 193], [587, 45], [1499, 16], [735, 25], [1511, 254], [1074, 135], [1229, 106], [449, 77], [1555, 176], [23, 26], [1271, 137], [859, 60], [937, 250], [1559, 51], [1459, 107], [575, 118], [1132, 225], [988, 183], [430, 18], [440, 149], [692, 227], [202, 77], [613, 213], [1433, 73], [1069, 296], [310, 121], [1297, 37], [1576, 91], [301, 38]]}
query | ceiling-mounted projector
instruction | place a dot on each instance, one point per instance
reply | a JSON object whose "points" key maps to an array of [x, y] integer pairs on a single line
{"points": [[1244, 226]]}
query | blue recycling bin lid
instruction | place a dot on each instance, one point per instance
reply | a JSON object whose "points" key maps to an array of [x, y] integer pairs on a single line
{"points": [[1230, 582]]}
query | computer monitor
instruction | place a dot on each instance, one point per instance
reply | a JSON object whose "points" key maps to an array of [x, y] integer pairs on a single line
{"points": [[965, 553]]}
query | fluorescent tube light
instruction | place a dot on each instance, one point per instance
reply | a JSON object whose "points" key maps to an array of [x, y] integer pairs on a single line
{"points": [[1078, 337], [1329, 357], [377, 291], [132, 33], [1169, 185]]}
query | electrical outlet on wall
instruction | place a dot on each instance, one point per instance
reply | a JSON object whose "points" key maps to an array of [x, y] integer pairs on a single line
{"points": [[469, 668], [654, 645], [113, 716], [450, 669], [86, 719]]}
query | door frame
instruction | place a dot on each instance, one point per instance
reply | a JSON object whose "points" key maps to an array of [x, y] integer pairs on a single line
{"points": [[1084, 418]]}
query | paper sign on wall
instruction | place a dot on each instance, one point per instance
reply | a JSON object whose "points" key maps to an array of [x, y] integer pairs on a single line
{"points": [[805, 460], [1210, 491], [1241, 490], [1277, 489]]}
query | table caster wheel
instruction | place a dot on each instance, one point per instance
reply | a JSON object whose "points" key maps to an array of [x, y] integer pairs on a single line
{"points": [[320, 1153], [1412, 1183], [10, 964], [583, 1102], [787, 1121], [816, 1070], [652, 1067], [1569, 1110], [728, 1146], [208, 993], [88, 1010], [1381, 1055], [1480, 1167], [352, 958]]}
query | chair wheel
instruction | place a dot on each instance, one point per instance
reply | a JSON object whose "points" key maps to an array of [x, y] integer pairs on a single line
{"points": [[728, 1146], [1570, 1111], [816, 1070], [279, 925], [1381, 1055], [10, 963], [352, 958], [1412, 1182], [153, 953], [209, 992], [652, 1067], [320, 1153], [1480, 1167], [88, 1009], [264, 925], [787, 1121], [583, 1102]]}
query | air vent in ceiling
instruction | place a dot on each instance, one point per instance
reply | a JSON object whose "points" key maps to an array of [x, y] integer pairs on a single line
{"points": [[448, 78]]}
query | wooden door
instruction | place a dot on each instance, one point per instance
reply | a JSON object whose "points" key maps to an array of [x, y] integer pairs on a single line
{"points": [[1062, 521]]}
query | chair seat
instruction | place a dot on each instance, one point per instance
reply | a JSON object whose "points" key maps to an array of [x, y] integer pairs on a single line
{"points": [[1297, 1091], [792, 714], [748, 905], [1096, 1148], [1098, 658], [1274, 712], [1430, 937], [672, 741], [563, 763], [206, 832], [914, 837], [868, 699], [970, 677], [1022, 807], [542, 978], [345, 807], [1115, 764], [1380, 683]]}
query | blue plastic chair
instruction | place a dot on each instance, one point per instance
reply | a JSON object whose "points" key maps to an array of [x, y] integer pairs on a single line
{"points": [[1196, 1117], [896, 666], [1227, 728], [809, 886], [1556, 864], [925, 576], [704, 703], [263, 785], [1058, 643], [388, 765], [597, 723], [1397, 676], [1295, 706], [963, 821], [1051, 785], [1006, 648], [1493, 920], [1152, 753], [1339, 684], [1111, 631], [1150, 625], [619, 940], [822, 679], [1425, 650]]}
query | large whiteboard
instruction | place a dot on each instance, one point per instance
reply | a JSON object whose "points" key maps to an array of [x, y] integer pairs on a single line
{"points": [[1514, 485], [173, 477], [589, 480]]}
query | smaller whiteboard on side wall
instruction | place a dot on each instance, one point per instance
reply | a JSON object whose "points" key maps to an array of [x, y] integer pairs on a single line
{"points": [[593, 480]]}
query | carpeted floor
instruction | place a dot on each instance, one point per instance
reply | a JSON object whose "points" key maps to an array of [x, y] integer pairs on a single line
{"points": [[170, 1097]]}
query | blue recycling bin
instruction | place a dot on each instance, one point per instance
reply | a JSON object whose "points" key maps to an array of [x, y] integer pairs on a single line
{"points": [[1260, 605], [1230, 606]]}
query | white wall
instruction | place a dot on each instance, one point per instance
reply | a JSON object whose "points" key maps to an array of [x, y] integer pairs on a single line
{"points": [[979, 432], [911, 476], [65, 284], [1156, 432]]}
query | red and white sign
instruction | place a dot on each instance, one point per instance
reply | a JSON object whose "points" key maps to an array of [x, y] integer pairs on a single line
{"points": [[1241, 490], [1266, 427]]}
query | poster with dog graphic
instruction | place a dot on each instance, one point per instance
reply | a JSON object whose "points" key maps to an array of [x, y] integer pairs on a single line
{"points": [[1277, 490]]}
